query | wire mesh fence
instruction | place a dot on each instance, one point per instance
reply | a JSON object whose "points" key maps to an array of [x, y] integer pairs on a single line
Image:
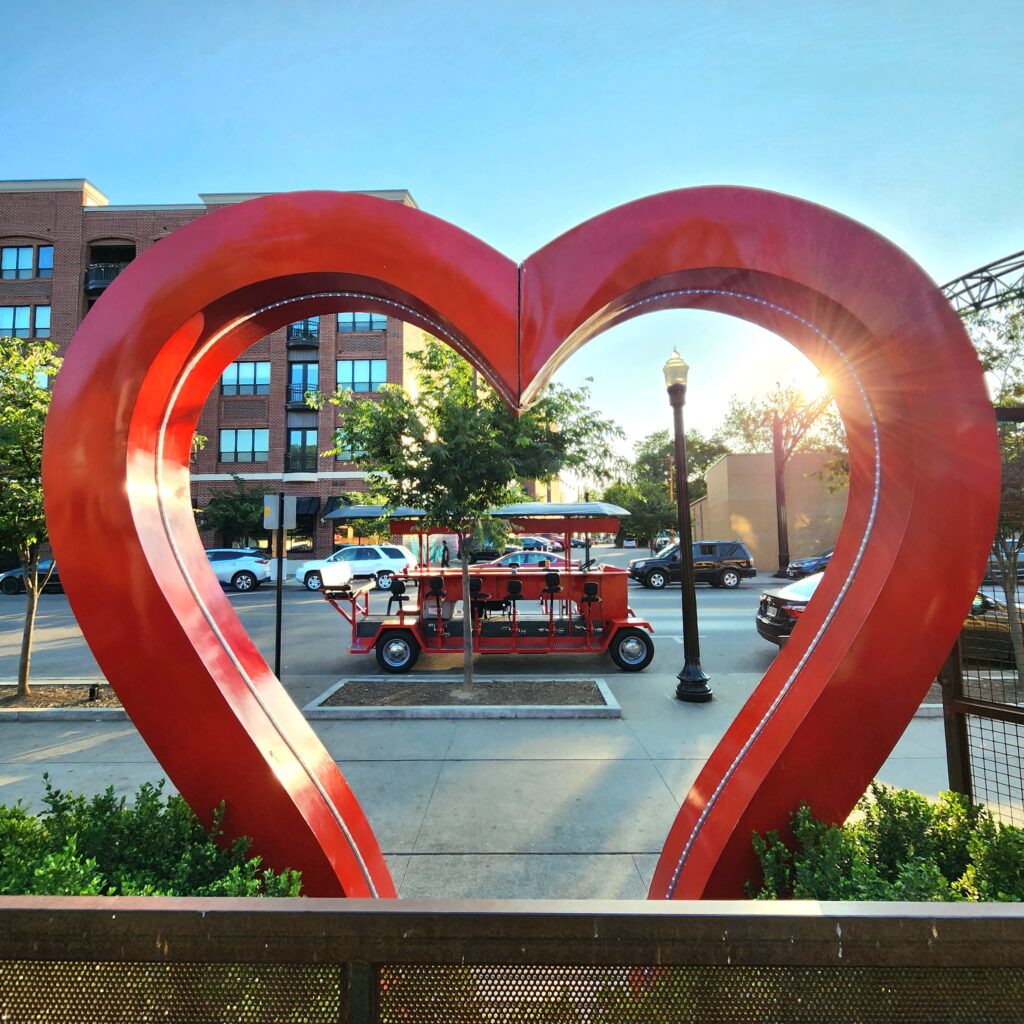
{"points": [[121, 960], [983, 681]]}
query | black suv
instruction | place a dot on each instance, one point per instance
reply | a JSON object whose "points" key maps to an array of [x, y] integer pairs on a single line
{"points": [[722, 563]]}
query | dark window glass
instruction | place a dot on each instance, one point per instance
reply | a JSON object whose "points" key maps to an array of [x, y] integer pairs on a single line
{"points": [[302, 449], [366, 554], [15, 321], [42, 321], [350, 323], [392, 552], [45, 261], [301, 538]]}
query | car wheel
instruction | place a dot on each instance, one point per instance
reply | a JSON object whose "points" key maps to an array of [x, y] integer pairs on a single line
{"points": [[631, 649], [313, 581], [10, 586], [730, 579], [397, 650], [384, 579], [243, 581], [657, 580]]}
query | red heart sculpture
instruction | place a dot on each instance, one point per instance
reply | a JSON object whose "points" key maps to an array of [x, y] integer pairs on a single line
{"points": [[921, 513]]}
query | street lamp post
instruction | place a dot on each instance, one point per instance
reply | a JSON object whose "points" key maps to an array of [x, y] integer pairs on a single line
{"points": [[693, 683]]}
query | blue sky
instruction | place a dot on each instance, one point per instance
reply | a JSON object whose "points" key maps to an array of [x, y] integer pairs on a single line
{"points": [[517, 121]]}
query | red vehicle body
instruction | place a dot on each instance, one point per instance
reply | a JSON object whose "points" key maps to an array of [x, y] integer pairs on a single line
{"points": [[513, 610]]}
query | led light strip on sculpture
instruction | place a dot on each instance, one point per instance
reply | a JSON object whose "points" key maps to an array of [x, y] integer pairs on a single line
{"points": [[811, 647], [212, 341]]}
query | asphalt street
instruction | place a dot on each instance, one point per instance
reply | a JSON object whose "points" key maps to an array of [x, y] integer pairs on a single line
{"points": [[315, 637]]}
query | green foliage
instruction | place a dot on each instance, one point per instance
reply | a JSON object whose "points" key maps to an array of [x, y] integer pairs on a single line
{"points": [[653, 460], [449, 445], [104, 846], [898, 846], [26, 368], [236, 512]]}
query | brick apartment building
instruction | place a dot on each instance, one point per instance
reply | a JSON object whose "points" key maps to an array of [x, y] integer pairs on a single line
{"points": [[62, 243]]}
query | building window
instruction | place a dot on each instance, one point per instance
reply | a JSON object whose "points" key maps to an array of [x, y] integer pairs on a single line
{"points": [[350, 323], [246, 379], [362, 374], [347, 453], [42, 322], [302, 377], [305, 330], [245, 446], [301, 451], [16, 262], [16, 321]]}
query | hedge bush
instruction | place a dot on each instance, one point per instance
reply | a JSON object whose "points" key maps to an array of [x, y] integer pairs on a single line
{"points": [[899, 846], [103, 846]]}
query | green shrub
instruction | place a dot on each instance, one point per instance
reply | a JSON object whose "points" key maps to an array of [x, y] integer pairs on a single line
{"points": [[899, 846], [103, 846]]}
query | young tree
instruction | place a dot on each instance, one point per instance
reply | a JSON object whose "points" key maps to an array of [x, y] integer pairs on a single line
{"points": [[784, 422], [455, 450], [26, 368], [653, 460], [236, 512]]}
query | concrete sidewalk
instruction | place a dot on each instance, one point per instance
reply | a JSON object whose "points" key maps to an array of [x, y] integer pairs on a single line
{"points": [[489, 809]]}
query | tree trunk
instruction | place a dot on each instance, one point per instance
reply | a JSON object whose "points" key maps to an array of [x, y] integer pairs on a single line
{"points": [[30, 568], [467, 618]]}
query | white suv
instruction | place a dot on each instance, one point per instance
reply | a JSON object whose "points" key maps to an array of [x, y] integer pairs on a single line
{"points": [[380, 561], [242, 569]]}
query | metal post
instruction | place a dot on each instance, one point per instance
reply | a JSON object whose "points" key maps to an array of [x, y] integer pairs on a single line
{"points": [[958, 749], [782, 524], [280, 583], [693, 683]]}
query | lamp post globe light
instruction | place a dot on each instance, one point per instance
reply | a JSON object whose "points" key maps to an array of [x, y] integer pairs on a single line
{"points": [[693, 683]]}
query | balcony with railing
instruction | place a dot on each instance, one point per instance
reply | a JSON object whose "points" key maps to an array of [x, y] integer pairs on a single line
{"points": [[99, 275], [304, 334], [295, 394], [300, 460]]}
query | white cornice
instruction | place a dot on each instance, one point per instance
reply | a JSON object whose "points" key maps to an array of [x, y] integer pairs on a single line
{"points": [[91, 195]]}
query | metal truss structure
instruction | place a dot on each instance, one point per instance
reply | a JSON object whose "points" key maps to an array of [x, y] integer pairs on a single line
{"points": [[991, 285]]}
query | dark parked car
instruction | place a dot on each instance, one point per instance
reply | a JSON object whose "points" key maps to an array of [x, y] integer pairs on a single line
{"points": [[985, 636], [801, 567], [780, 609], [722, 563], [12, 582]]}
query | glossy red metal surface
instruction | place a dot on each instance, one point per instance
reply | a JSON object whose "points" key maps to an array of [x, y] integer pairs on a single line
{"points": [[924, 482], [923, 489]]}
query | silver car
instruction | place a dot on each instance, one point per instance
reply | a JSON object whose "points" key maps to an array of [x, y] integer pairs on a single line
{"points": [[242, 569]]}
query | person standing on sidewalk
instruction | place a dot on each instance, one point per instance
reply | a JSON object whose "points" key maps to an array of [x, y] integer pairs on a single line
{"points": [[445, 556]]}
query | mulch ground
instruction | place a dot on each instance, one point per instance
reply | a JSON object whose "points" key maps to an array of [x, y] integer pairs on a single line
{"points": [[429, 693], [42, 696]]}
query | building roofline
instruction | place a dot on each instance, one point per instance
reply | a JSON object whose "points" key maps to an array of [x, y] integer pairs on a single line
{"points": [[91, 195], [94, 199], [145, 206], [401, 195]]}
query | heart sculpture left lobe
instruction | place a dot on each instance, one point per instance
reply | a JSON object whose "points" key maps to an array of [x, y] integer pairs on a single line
{"points": [[837, 698], [116, 466]]}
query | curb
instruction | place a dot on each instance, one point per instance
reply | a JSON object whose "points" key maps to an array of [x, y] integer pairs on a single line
{"points": [[314, 711]]}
